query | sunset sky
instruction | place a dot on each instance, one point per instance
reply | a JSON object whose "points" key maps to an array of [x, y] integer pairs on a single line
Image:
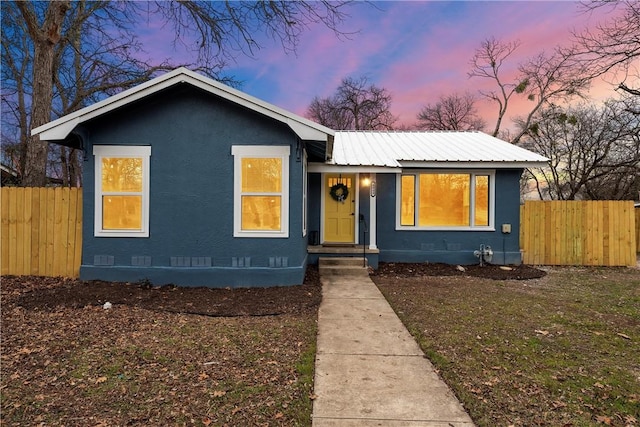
{"points": [[418, 51]]}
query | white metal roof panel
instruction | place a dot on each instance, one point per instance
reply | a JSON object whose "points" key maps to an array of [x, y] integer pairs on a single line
{"points": [[433, 148]]}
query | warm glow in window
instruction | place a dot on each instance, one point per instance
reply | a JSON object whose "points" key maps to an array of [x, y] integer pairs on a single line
{"points": [[482, 200], [444, 200], [122, 212], [435, 200], [261, 212], [261, 193], [121, 175], [407, 207], [121, 190], [261, 175]]}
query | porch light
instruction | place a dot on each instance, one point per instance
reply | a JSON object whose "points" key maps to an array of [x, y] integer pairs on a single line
{"points": [[366, 181]]}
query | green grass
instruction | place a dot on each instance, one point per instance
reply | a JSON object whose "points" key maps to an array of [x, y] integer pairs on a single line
{"points": [[562, 350]]}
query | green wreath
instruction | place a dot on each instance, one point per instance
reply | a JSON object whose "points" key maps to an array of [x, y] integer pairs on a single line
{"points": [[339, 192]]}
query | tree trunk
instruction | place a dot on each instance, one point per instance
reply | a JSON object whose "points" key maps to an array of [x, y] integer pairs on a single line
{"points": [[45, 40]]}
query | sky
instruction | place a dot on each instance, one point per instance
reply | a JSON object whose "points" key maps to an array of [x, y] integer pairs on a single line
{"points": [[418, 51]]}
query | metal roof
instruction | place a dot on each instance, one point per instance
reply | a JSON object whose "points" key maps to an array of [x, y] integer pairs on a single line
{"points": [[61, 128], [397, 149]]}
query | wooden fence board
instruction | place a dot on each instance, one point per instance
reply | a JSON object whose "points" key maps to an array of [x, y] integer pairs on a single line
{"points": [[41, 231], [579, 233]]}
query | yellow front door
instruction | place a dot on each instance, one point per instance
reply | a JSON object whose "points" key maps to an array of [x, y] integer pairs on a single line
{"points": [[339, 211]]}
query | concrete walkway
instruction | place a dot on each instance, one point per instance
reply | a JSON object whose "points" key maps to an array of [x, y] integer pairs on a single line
{"points": [[369, 370]]}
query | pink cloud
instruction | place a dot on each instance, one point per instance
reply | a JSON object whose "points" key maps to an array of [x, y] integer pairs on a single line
{"points": [[419, 51]]}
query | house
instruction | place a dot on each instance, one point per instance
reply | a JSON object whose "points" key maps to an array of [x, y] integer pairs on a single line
{"points": [[191, 182], [8, 175]]}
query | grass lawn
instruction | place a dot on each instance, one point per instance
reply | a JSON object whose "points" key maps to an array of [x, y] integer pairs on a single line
{"points": [[563, 350]]}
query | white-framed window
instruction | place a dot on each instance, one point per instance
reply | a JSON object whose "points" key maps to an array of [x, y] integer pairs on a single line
{"points": [[261, 191], [445, 200], [121, 191]]}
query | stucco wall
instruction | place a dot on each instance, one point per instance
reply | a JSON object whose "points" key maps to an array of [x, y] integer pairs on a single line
{"points": [[191, 195], [452, 247]]}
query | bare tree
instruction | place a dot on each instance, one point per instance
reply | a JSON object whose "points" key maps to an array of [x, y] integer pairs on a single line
{"points": [[487, 62], [543, 79], [613, 45], [550, 79], [594, 152], [63, 55], [356, 105], [452, 112]]}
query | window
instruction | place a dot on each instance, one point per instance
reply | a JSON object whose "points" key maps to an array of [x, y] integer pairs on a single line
{"points": [[261, 191], [121, 191], [451, 200]]}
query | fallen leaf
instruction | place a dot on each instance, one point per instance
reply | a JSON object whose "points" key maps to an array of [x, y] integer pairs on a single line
{"points": [[203, 376], [219, 393], [206, 421], [541, 332], [279, 415], [604, 420], [625, 336], [101, 380]]}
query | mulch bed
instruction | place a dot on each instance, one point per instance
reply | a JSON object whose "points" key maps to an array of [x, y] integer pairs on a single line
{"points": [[48, 293], [489, 271]]}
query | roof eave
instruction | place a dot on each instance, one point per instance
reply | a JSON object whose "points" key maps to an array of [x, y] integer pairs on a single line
{"points": [[453, 164], [60, 128]]}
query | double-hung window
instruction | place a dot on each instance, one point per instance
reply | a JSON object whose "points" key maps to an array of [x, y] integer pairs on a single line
{"points": [[261, 191], [445, 200], [121, 191]]}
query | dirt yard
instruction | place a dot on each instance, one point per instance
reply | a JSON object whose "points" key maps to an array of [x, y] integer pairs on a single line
{"points": [[519, 346], [159, 356]]}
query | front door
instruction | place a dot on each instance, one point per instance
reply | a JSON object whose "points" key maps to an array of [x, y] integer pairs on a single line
{"points": [[339, 208]]}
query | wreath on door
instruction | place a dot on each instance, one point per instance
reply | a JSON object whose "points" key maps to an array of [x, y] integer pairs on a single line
{"points": [[339, 192]]}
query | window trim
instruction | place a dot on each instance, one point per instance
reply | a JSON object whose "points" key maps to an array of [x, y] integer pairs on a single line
{"points": [[472, 173], [126, 151], [305, 192], [260, 151]]}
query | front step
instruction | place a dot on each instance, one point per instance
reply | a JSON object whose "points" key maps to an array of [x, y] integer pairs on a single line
{"points": [[342, 266]]}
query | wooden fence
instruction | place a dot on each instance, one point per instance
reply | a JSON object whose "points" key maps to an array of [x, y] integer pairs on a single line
{"points": [[637, 229], [578, 233], [41, 231]]}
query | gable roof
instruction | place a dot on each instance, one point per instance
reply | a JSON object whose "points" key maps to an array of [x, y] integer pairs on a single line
{"points": [[60, 129], [439, 149]]}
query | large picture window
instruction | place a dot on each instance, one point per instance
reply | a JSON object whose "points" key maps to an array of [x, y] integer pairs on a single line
{"points": [[261, 191], [445, 200], [121, 191]]}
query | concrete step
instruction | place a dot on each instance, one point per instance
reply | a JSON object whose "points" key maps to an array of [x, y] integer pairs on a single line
{"points": [[340, 261], [342, 266]]}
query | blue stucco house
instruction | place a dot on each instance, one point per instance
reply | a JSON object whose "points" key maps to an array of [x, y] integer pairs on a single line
{"points": [[191, 182]]}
